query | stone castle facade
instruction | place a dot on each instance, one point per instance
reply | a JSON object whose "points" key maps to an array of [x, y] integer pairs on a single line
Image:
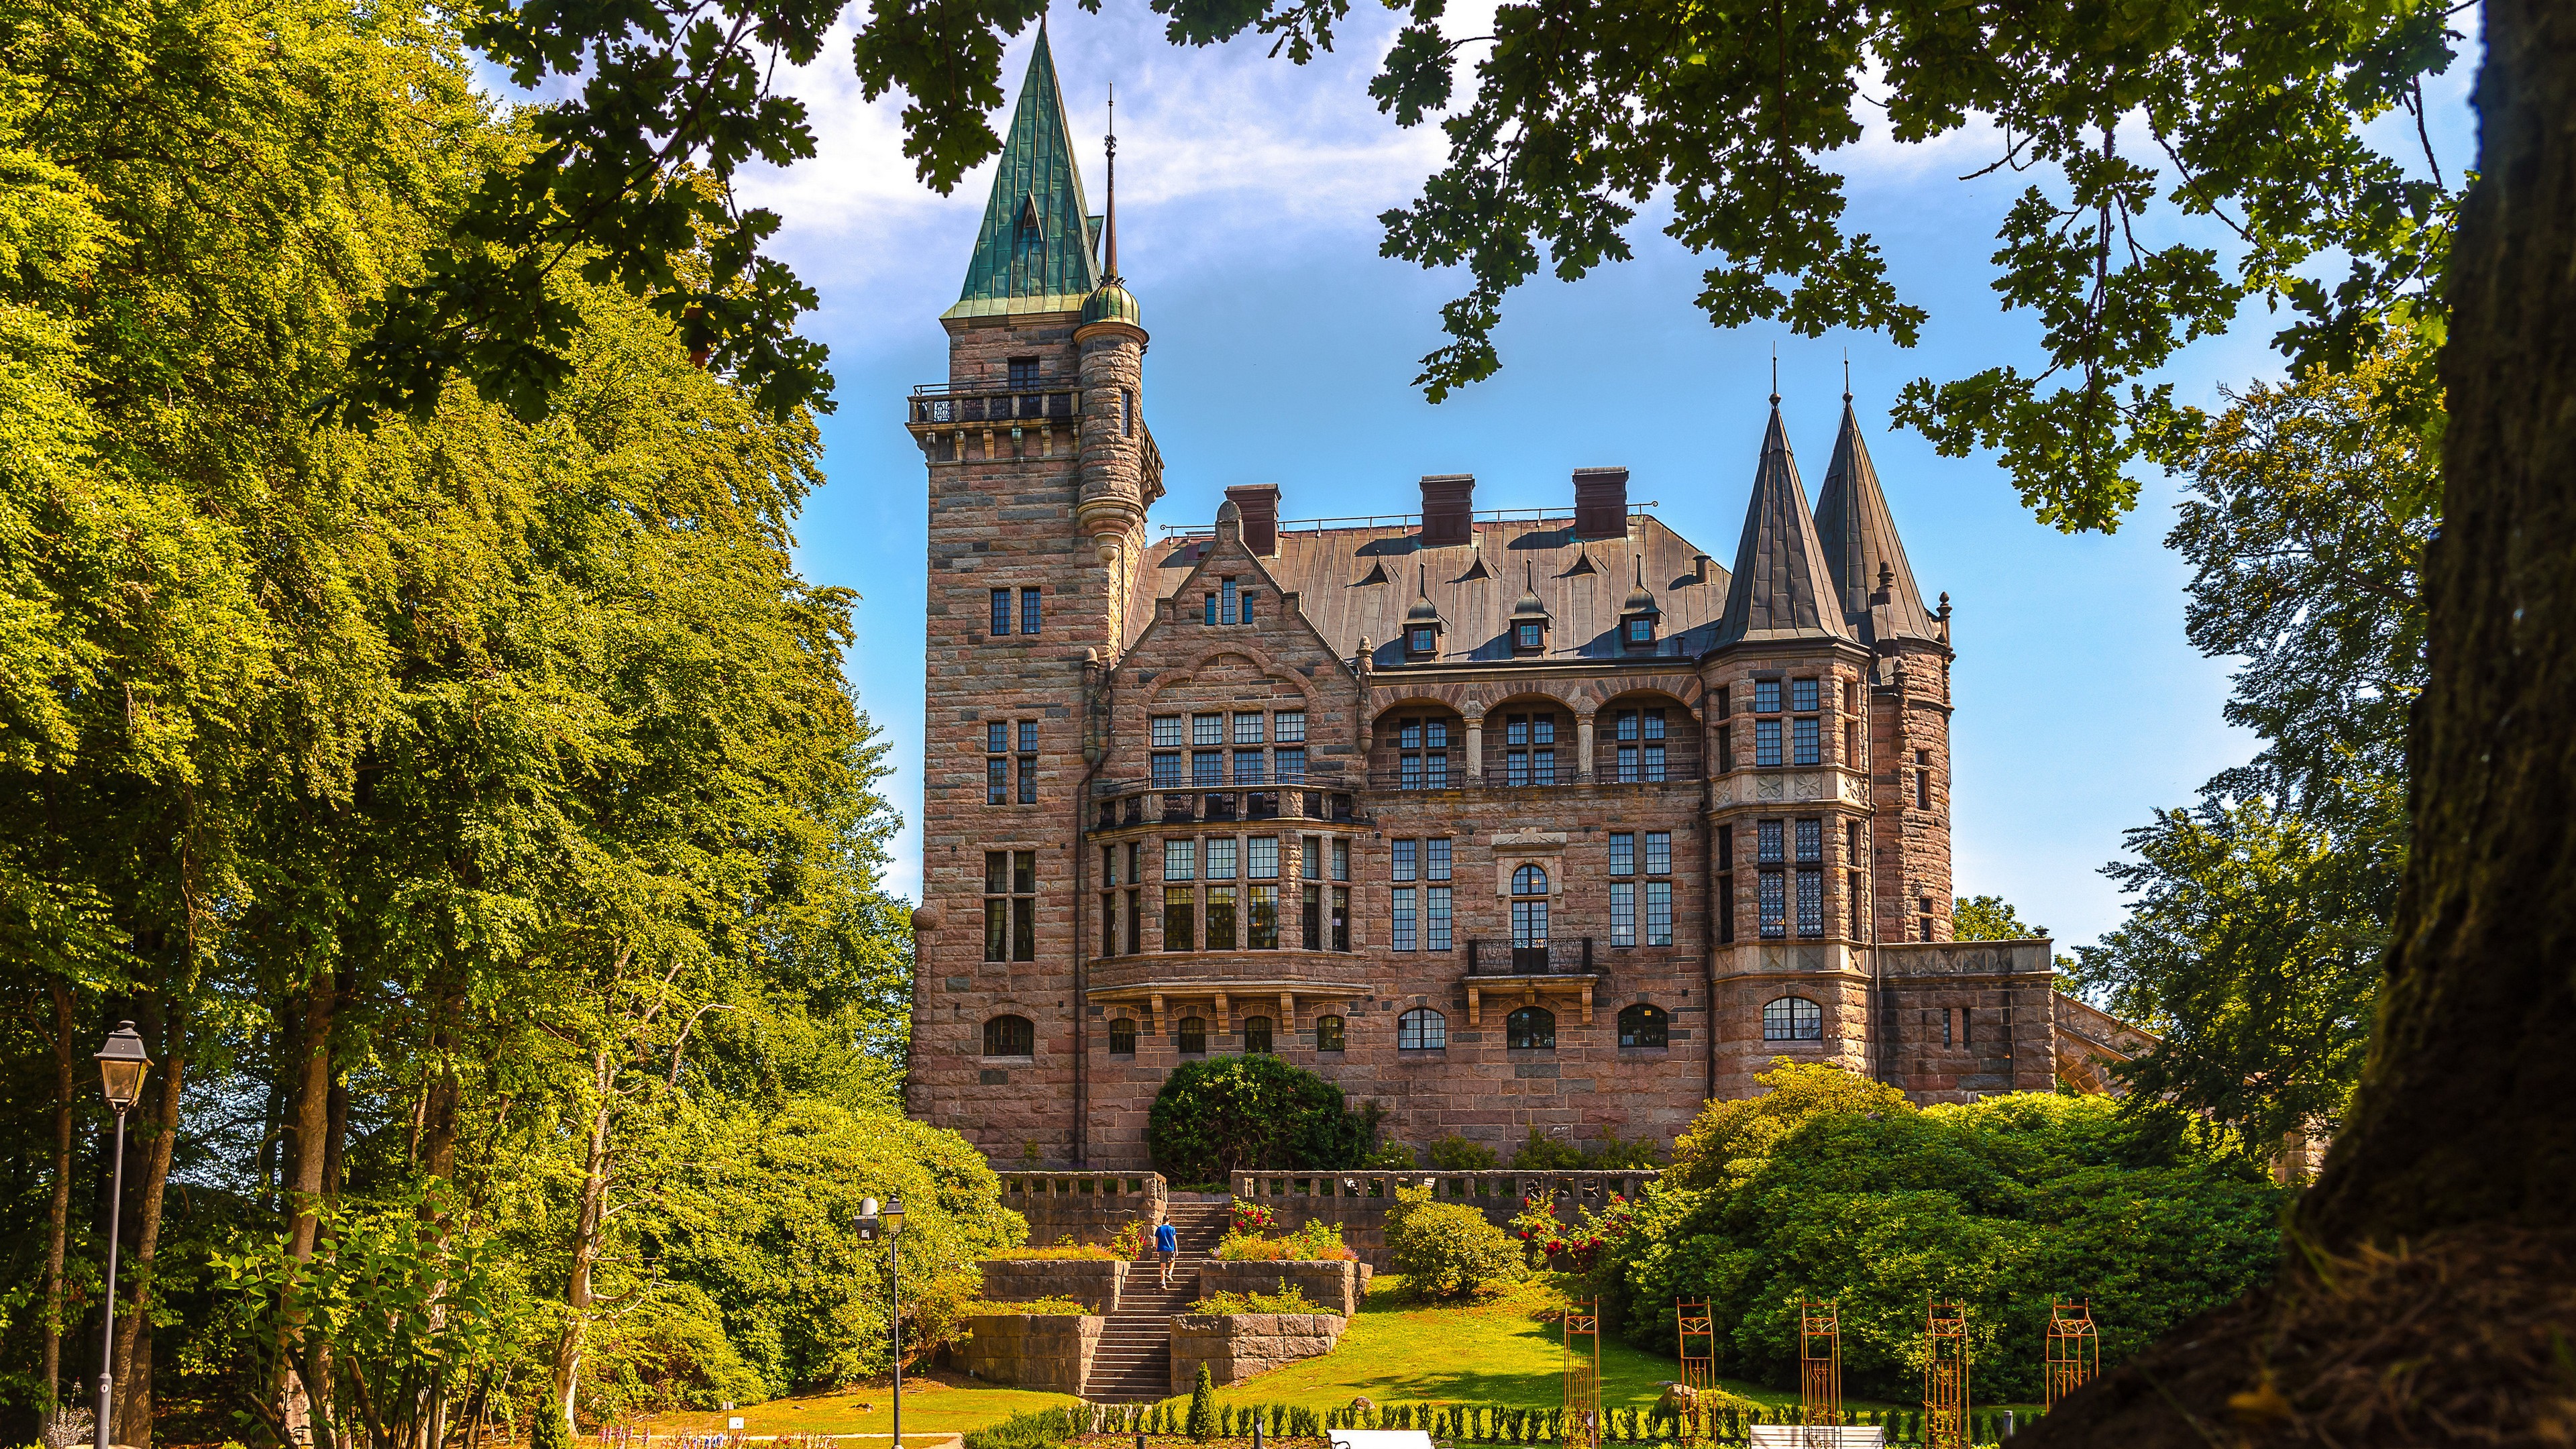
{"points": [[1544, 820]]}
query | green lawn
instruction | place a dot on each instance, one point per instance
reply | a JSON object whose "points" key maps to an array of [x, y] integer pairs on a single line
{"points": [[935, 1404], [1495, 1353]]}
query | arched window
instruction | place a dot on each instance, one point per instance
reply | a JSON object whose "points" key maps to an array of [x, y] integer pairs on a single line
{"points": [[1644, 1026], [1328, 1033], [1122, 1037], [1532, 1028], [1421, 1030], [1194, 1034], [1256, 1034], [1529, 919], [1793, 1018], [1010, 1036]]}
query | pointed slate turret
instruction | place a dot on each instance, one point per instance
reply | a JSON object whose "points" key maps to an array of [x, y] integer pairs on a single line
{"points": [[1781, 589], [1861, 546], [1034, 251]]}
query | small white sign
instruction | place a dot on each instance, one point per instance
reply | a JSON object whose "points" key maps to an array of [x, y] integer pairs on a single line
{"points": [[734, 1423]]}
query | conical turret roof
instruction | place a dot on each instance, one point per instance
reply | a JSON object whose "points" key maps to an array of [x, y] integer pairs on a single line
{"points": [[1781, 588], [1034, 250], [1859, 537]]}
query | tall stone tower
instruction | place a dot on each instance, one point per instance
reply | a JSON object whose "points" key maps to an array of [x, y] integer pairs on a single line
{"points": [[1909, 692], [1041, 469]]}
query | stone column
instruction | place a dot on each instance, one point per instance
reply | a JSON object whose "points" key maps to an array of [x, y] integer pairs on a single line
{"points": [[1476, 748], [1583, 748]]}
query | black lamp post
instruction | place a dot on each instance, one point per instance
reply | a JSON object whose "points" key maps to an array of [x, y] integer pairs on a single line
{"points": [[121, 1065], [890, 1224]]}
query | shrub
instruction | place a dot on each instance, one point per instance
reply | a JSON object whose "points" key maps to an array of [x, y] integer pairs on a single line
{"points": [[1286, 1300], [1202, 1424], [1234, 1113], [1448, 1250], [1054, 1306], [1454, 1153], [1250, 1217], [1546, 1154], [1131, 1240], [2000, 1205], [1313, 1241], [1076, 1252], [548, 1429], [1391, 1155]]}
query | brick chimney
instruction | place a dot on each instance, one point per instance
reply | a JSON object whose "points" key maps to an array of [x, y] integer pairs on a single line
{"points": [[1600, 502], [1448, 508], [1260, 505]]}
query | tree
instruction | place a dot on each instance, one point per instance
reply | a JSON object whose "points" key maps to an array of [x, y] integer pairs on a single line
{"points": [[1989, 918], [2253, 950]]}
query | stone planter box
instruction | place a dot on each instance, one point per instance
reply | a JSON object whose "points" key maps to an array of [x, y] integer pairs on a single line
{"points": [[1093, 1282], [1337, 1286], [1033, 1350], [1239, 1346]]}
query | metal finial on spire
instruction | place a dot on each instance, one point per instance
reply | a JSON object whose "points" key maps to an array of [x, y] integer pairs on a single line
{"points": [[1111, 226], [1846, 374], [1775, 374]]}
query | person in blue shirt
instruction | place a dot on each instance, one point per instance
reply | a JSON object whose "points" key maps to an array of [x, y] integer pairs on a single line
{"points": [[1167, 1243]]}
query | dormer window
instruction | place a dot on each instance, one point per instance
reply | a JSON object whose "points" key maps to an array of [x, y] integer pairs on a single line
{"points": [[1529, 637], [1529, 620], [1422, 622], [1641, 631], [1423, 641], [1638, 616]]}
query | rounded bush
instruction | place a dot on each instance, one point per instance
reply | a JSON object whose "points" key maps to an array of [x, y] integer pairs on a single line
{"points": [[1448, 1250], [1252, 1113]]}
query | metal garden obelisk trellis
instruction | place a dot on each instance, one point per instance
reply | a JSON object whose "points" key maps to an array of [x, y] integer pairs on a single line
{"points": [[1698, 1333], [1583, 1375], [2074, 1352], [1820, 1370], [1945, 1376]]}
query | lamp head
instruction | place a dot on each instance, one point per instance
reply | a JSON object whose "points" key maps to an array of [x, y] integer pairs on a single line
{"points": [[893, 1216], [121, 1065]]}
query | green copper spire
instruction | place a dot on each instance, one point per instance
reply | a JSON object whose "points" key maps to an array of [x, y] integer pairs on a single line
{"points": [[1033, 253]]}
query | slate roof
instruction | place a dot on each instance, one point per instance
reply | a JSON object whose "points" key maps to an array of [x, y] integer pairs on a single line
{"points": [[1781, 589], [1361, 582], [1034, 251], [1859, 537]]}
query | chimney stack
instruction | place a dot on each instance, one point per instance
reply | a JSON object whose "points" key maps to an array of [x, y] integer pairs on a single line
{"points": [[1260, 505], [1448, 509], [1600, 503]]}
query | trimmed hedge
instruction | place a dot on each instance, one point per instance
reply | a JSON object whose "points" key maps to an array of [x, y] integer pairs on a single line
{"points": [[1448, 1250], [1227, 1114]]}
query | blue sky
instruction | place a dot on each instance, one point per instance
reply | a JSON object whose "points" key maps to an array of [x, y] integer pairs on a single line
{"points": [[1284, 348]]}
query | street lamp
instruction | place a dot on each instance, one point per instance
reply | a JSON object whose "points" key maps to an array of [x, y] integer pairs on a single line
{"points": [[121, 1065], [890, 1224]]}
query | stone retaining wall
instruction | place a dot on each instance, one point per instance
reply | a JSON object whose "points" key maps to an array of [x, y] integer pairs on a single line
{"points": [[1033, 1351], [1238, 1346], [1336, 1287], [1357, 1201], [1088, 1207], [1093, 1282]]}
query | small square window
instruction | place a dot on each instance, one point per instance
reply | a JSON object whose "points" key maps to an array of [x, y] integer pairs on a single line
{"points": [[1028, 737], [1424, 641], [1659, 852], [1766, 696], [1288, 726], [1529, 636], [1207, 729], [1167, 732], [1180, 859], [1435, 859], [997, 737], [1247, 728], [1802, 694], [1220, 857], [1623, 852], [1401, 854]]}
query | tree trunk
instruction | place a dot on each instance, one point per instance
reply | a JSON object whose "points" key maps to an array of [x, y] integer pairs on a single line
{"points": [[133, 1324], [2427, 1296], [578, 1293], [2461, 1117], [305, 1189], [59, 1211]]}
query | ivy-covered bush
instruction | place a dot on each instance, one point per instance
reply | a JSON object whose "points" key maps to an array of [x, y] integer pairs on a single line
{"points": [[1836, 1187], [1447, 1249], [1253, 1112]]}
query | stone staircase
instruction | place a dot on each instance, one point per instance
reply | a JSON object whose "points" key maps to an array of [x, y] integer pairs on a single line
{"points": [[1133, 1364]]}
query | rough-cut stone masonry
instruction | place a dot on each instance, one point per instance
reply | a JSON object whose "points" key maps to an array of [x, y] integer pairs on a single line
{"points": [[1095, 1283], [1335, 1287], [1239, 1346], [1049, 1353]]}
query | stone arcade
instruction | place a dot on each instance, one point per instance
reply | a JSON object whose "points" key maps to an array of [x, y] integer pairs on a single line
{"points": [[1537, 819]]}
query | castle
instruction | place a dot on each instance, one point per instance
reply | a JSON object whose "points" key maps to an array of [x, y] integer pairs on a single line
{"points": [[1548, 820]]}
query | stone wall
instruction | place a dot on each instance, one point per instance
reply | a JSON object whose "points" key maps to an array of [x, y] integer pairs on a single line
{"points": [[1088, 1207], [1358, 1201], [1336, 1287], [1966, 1019], [1093, 1282], [1033, 1351], [1238, 1346]]}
